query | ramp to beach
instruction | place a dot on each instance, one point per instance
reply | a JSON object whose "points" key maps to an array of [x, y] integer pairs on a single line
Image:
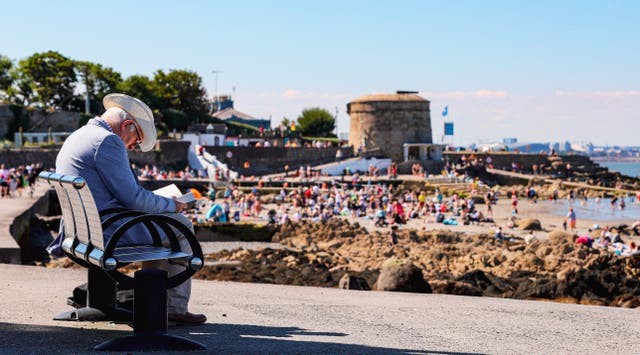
{"points": [[252, 318]]}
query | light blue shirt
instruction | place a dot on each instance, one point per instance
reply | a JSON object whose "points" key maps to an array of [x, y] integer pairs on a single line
{"points": [[99, 156]]}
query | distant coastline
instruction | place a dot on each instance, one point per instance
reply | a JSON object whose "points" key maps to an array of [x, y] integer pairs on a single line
{"points": [[616, 159]]}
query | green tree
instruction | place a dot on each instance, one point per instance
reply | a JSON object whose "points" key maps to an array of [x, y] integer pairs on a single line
{"points": [[20, 121], [52, 77], [181, 90], [316, 122], [286, 123], [99, 81], [175, 119], [141, 87], [21, 91], [5, 74]]}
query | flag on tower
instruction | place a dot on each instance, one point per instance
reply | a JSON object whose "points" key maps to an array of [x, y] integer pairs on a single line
{"points": [[445, 111]]}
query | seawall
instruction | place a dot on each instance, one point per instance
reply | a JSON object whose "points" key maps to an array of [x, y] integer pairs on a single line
{"points": [[168, 152], [16, 224], [269, 160]]}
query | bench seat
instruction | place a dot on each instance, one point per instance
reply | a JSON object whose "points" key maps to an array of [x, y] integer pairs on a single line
{"points": [[135, 253]]}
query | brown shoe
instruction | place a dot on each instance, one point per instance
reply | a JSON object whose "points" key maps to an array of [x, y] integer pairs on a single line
{"points": [[187, 318]]}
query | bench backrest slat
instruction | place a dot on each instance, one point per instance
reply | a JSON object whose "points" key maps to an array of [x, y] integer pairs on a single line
{"points": [[93, 218], [67, 212], [79, 214]]}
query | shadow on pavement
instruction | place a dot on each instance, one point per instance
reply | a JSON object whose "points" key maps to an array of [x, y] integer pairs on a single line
{"points": [[239, 338], [219, 338]]}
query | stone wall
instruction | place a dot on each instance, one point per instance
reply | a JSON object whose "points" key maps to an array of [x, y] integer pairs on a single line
{"points": [[16, 157], [268, 160], [170, 152], [6, 116], [430, 166], [503, 160], [59, 121]]}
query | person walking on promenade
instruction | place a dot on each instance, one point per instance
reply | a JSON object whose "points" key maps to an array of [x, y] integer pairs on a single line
{"points": [[98, 153]]}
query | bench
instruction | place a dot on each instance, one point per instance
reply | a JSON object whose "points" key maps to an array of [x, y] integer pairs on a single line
{"points": [[84, 244]]}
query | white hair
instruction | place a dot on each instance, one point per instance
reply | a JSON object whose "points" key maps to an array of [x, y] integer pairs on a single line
{"points": [[116, 113]]}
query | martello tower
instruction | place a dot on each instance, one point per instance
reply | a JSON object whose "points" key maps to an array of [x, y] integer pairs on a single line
{"points": [[386, 122]]}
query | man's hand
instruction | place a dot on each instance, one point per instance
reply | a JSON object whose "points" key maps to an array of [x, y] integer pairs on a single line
{"points": [[180, 206]]}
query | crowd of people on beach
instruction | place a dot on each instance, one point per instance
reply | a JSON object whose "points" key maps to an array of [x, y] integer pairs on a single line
{"points": [[372, 201], [384, 206], [610, 240], [155, 173]]}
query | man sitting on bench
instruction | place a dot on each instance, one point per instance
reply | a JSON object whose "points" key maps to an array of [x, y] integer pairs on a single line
{"points": [[97, 152]]}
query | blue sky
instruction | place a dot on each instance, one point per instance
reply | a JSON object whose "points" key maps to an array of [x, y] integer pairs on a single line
{"points": [[536, 70]]}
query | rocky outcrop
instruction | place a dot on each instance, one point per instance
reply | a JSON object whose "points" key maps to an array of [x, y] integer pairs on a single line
{"points": [[530, 224], [350, 282], [401, 276], [450, 262], [339, 254]]}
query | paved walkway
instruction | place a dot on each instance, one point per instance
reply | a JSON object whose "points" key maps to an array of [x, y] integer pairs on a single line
{"points": [[258, 318], [10, 208]]}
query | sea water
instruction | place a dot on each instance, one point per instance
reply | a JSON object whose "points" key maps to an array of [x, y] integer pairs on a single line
{"points": [[628, 168], [602, 211]]}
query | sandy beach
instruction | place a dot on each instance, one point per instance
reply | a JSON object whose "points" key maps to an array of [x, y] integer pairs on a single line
{"points": [[550, 214], [542, 211]]}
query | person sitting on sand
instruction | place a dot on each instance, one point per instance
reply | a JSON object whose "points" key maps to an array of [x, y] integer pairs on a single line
{"points": [[474, 217], [380, 218], [216, 214], [584, 240], [615, 237], [498, 235], [529, 238]]}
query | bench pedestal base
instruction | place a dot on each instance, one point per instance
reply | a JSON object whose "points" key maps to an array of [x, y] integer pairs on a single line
{"points": [[150, 343], [94, 314], [100, 300], [150, 321]]}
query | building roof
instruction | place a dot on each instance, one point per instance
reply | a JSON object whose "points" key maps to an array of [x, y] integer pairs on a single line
{"points": [[230, 112], [390, 97], [218, 128]]}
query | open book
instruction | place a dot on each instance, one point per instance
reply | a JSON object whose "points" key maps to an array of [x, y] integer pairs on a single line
{"points": [[172, 190]]}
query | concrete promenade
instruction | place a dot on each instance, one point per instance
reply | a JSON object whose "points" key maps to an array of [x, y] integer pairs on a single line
{"points": [[10, 209], [258, 318]]}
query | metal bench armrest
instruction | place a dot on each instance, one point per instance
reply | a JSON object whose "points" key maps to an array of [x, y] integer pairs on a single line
{"points": [[164, 222], [122, 213]]}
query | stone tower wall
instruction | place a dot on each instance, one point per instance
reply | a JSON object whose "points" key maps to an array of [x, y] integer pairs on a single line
{"points": [[386, 125]]}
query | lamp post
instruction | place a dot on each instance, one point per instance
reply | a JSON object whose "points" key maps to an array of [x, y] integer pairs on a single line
{"points": [[216, 93]]}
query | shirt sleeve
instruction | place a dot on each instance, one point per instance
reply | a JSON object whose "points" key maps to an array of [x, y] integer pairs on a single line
{"points": [[112, 164]]}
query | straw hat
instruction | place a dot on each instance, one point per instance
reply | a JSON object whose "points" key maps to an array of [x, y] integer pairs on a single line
{"points": [[140, 112]]}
